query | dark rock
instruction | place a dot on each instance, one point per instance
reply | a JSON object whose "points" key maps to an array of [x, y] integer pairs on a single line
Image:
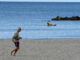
{"points": [[66, 18], [58, 17]]}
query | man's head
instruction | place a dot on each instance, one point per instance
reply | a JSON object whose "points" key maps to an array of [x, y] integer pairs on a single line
{"points": [[19, 29]]}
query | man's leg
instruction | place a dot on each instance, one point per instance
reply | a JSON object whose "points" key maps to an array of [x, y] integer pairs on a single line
{"points": [[15, 51], [17, 48], [12, 51]]}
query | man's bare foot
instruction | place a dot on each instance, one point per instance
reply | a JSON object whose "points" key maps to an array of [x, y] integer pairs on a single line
{"points": [[11, 52]]}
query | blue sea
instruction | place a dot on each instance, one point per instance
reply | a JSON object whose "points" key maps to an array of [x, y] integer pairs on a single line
{"points": [[32, 16]]}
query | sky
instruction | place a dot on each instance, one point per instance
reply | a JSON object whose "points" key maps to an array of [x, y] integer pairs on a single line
{"points": [[43, 0]]}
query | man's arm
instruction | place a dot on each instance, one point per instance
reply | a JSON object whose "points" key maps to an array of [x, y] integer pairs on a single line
{"points": [[17, 38]]}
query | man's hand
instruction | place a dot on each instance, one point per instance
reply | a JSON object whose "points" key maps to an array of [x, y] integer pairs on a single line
{"points": [[19, 38]]}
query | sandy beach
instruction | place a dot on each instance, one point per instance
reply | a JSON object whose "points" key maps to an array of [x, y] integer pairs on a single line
{"points": [[44, 49]]}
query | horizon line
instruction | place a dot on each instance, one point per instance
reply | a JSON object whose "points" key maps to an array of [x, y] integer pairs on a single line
{"points": [[39, 1]]}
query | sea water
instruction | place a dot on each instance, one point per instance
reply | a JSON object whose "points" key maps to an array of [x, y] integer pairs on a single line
{"points": [[32, 16]]}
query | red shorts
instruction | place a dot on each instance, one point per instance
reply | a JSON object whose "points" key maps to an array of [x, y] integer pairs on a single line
{"points": [[16, 44]]}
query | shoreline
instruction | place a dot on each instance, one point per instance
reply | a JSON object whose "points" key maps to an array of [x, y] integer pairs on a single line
{"points": [[39, 39]]}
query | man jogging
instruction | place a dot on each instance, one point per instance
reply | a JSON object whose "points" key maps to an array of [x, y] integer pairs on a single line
{"points": [[16, 39]]}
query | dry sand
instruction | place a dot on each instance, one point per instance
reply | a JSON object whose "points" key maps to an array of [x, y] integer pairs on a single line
{"points": [[45, 49]]}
